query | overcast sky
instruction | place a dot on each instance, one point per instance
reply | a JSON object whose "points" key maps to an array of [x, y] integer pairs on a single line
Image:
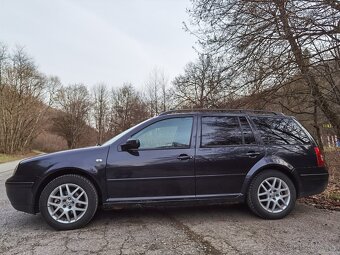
{"points": [[89, 41]]}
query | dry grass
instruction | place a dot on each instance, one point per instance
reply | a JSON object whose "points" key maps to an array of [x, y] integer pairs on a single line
{"points": [[7, 158], [330, 198]]}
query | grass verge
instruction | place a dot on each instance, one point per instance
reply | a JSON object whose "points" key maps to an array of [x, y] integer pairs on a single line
{"points": [[11, 157]]}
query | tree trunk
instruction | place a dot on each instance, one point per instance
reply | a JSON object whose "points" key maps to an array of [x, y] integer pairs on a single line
{"points": [[317, 127], [321, 101]]}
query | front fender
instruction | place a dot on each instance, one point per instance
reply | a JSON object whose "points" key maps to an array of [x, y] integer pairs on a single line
{"points": [[94, 176]]}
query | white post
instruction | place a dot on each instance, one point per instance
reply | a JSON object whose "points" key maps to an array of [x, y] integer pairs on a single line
{"points": [[328, 141]]}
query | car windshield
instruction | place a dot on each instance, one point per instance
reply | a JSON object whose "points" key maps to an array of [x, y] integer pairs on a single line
{"points": [[115, 138]]}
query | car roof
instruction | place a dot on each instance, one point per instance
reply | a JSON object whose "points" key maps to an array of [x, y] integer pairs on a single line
{"points": [[221, 111]]}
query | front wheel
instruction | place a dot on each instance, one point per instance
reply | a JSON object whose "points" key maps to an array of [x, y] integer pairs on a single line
{"points": [[68, 202], [271, 195]]}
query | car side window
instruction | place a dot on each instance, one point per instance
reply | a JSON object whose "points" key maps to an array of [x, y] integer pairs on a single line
{"points": [[248, 134], [280, 131], [220, 131], [165, 134]]}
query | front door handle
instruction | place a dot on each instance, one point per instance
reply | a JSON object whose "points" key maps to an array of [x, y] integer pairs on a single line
{"points": [[184, 157], [252, 154]]}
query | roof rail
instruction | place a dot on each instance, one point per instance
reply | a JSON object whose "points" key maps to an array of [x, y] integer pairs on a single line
{"points": [[221, 110]]}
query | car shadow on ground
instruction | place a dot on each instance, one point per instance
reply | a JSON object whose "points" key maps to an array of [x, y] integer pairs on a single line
{"points": [[210, 211], [138, 215], [129, 215]]}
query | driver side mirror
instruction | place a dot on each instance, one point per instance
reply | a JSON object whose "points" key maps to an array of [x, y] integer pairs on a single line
{"points": [[131, 144]]}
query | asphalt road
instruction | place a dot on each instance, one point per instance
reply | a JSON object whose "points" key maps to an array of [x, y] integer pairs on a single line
{"points": [[227, 229]]}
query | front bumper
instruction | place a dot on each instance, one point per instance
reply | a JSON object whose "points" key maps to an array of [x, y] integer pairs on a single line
{"points": [[20, 195]]}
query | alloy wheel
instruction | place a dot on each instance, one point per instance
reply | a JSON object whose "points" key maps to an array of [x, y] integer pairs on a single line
{"points": [[67, 203], [274, 195]]}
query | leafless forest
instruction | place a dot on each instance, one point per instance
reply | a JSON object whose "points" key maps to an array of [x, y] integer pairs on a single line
{"points": [[280, 55]]}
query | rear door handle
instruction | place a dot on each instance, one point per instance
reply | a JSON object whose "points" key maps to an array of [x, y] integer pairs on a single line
{"points": [[252, 154], [184, 157]]}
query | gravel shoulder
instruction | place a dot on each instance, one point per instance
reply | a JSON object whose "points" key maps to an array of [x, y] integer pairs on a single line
{"points": [[223, 229]]}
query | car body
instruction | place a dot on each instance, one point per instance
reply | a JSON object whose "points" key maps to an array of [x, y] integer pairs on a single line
{"points": [[184, 156]]}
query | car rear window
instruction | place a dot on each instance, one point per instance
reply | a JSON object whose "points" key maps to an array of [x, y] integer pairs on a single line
{"points": [[280, 131]]}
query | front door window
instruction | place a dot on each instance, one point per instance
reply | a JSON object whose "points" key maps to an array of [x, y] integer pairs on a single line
{"points": [[166, 134]]}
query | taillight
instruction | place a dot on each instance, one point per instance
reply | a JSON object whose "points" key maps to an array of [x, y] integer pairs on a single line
{"points": [[319, 157]]}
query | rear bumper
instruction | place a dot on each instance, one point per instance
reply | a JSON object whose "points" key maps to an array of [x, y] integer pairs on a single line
{"points": [[20, 195], [312, 184]]}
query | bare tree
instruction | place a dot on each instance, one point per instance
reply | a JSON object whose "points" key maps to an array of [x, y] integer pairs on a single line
{"points": [[127, 109], [157, 92], [100, 110], [3, 64], [72, 119], [271, 37], [203, 84], [25, 96]]}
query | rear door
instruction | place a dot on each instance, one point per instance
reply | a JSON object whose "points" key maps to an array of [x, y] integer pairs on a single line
{"points": [[226, 151]]}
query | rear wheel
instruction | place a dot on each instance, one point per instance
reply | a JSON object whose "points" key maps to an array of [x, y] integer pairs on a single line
{"points": [[271, 195], [68, 202]]}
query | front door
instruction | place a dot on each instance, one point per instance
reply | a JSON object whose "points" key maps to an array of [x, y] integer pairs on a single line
{"points": [[226, 151], [162, 167]]}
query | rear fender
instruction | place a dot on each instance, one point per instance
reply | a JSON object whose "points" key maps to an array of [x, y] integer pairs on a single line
{"points": [[272, 163]]}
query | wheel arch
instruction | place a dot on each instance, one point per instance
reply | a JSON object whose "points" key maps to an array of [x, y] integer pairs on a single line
{"points": [[289, 172], [60, 172]]}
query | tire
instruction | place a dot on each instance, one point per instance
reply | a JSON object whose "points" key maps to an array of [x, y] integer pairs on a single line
{"points": [[68, 202], [270, 199]]}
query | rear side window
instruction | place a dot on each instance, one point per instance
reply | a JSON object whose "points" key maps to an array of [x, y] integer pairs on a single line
{"points": [[248, 135], [221, 131], [280, 131]]}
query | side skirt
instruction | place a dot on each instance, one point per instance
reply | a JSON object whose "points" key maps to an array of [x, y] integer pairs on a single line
{"points": [[174, 200]]}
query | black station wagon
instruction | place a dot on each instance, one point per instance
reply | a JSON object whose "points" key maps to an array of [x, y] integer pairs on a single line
{"points": [[265, 159]]}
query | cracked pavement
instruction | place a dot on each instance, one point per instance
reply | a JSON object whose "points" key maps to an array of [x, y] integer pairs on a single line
{"points": [[221, 229]]}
